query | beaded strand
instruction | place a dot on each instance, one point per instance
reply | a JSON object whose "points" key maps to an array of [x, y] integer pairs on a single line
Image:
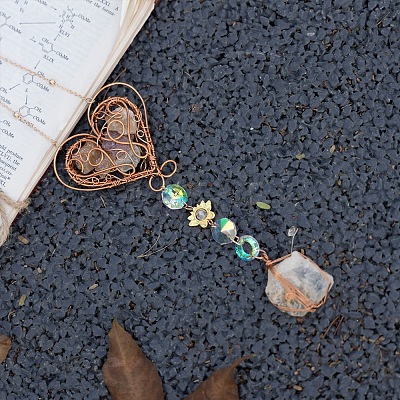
{"points": [[223, 230]]}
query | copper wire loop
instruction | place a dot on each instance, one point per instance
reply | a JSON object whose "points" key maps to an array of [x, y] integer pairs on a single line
{"points": [[292, 292], [118, 150]]}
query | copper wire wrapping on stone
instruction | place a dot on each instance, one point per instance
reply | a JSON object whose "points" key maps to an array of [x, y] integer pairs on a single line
{"points": [[119, 149]]}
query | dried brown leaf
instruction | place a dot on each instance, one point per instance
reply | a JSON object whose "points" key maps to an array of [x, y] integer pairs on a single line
{"points": [[128, 373], [5, 346], [220, 385]]}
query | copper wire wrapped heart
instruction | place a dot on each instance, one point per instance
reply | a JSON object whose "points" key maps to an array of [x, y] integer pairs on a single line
{"points": [[119, 149]]}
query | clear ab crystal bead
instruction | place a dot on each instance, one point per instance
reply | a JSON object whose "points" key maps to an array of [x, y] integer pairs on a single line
{"points": [[224, 231]]}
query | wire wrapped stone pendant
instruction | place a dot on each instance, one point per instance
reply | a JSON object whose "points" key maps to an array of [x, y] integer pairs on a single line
{"points": [[296, 285], [120, 150]]}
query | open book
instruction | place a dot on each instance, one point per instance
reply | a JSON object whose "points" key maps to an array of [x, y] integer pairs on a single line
{"points": [[76, 43]]}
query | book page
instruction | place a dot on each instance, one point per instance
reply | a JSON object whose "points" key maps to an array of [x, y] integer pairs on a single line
{"points": [[69, 41]]}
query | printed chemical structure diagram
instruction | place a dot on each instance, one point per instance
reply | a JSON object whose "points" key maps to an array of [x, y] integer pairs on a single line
{"points": [[29, 78], [4, 125], [25, 110], [5, 23], [68, 22], [67, 18], [3, 98], [48, 49]]}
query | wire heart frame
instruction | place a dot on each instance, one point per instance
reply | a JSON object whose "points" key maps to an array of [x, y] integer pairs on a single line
{"points": [[118, 150]]}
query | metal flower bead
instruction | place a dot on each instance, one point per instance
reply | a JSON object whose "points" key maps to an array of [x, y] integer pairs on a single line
{"points": [[201, 215]]}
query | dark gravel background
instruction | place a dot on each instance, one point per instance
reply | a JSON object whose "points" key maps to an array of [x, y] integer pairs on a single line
{"points": [[291, 103]]}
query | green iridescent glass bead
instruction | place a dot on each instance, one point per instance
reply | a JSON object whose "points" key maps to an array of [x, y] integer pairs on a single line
{"points": [[174, 196], [255, 248]]}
